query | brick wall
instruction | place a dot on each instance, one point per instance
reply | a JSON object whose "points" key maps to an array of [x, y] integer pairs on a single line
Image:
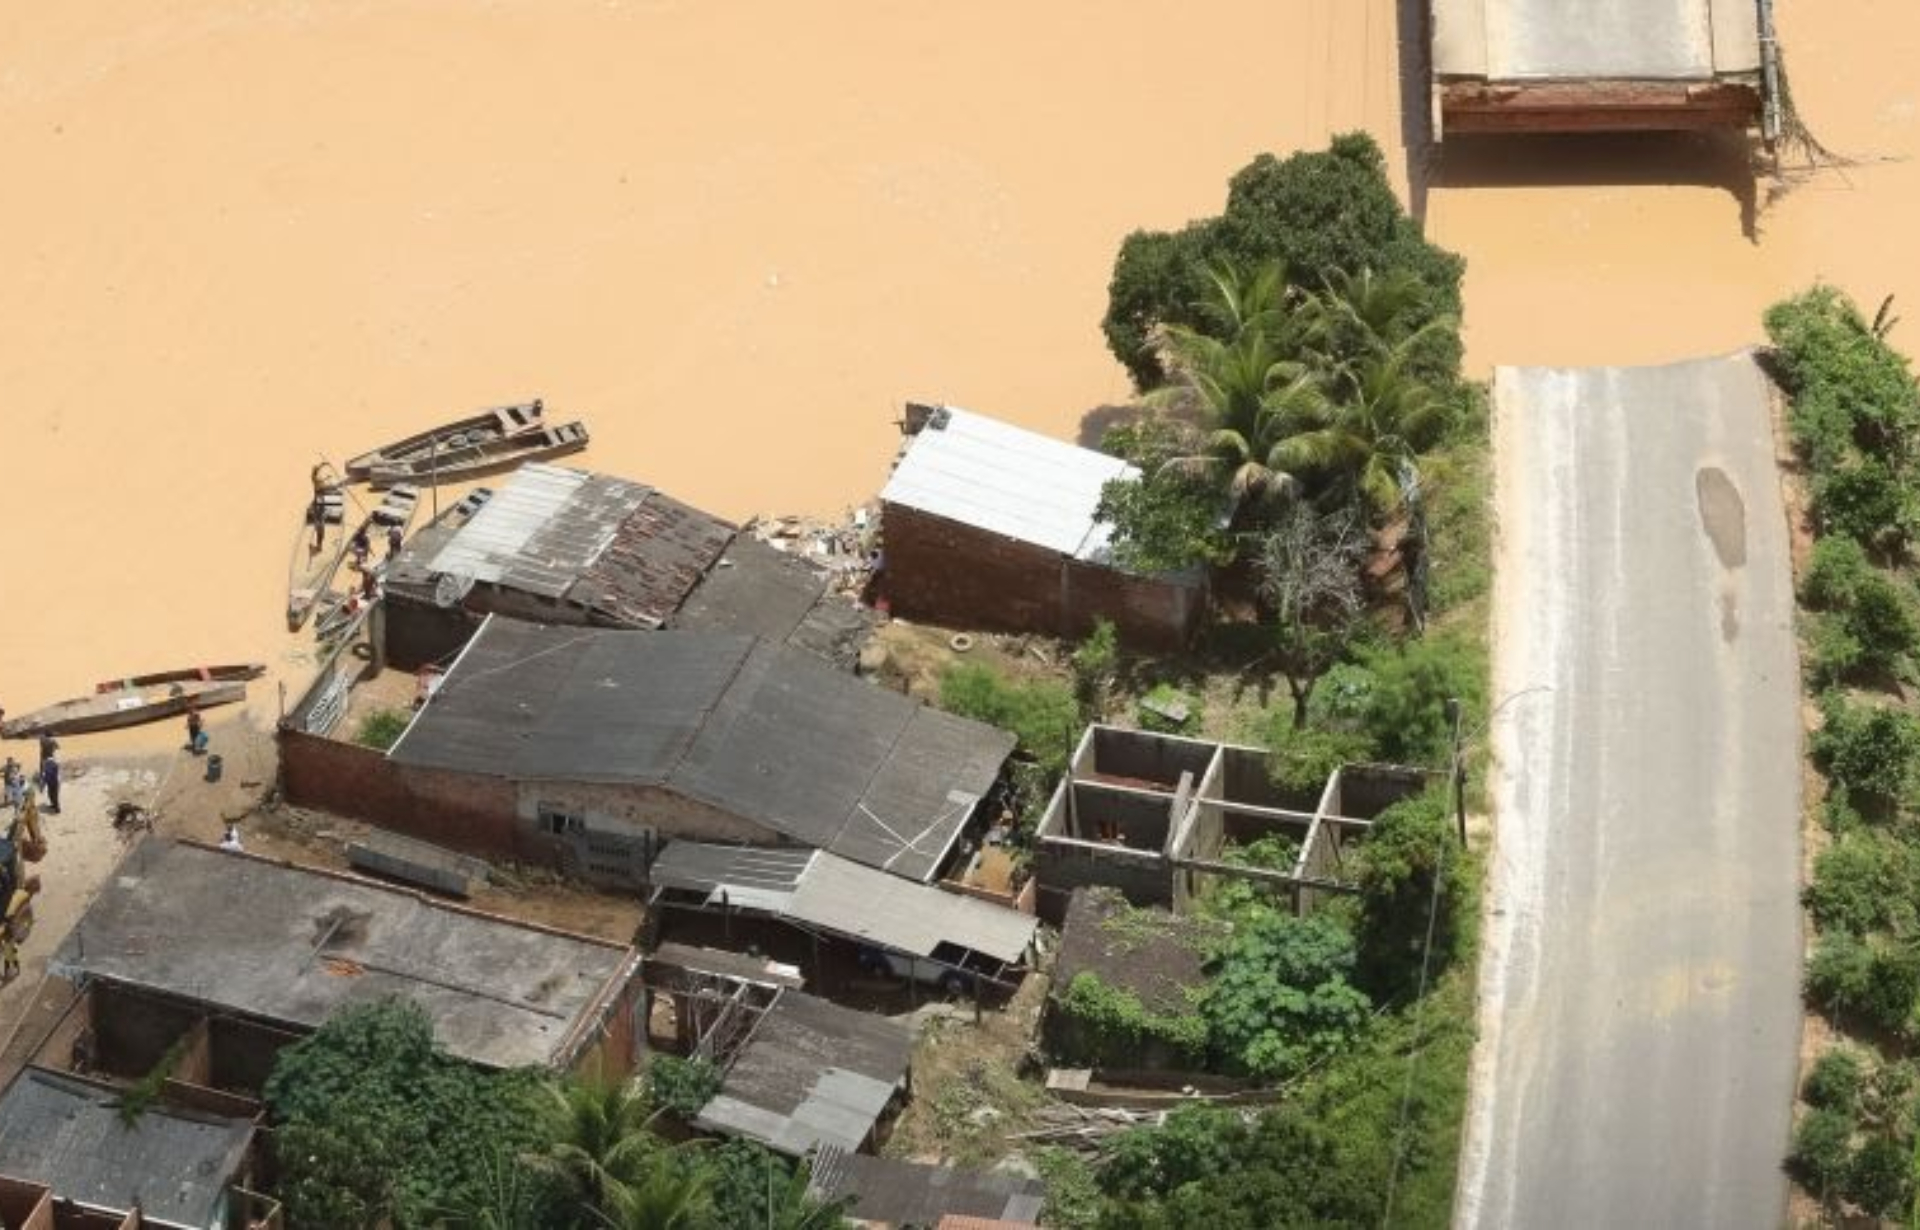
{"points": [[463, 812], [948, 573]]}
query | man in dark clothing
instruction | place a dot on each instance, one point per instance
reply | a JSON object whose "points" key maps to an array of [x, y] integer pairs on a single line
{"points": [[48, 746], [50, 782], [395, 535]]}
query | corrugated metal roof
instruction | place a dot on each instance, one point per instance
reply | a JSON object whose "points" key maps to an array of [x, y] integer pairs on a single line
{"points": [[1007, 480], [488, 546], [911, 918], [811, 1074], [916, 1194], [573, 535], [69, 1135], [770, 734], [823, 890], [745, 877]]}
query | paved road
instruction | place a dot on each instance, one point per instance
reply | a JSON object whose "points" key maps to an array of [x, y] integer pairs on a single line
{"points": [[1640, 1007]]}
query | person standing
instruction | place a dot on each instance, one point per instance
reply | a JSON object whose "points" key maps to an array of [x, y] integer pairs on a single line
{"points": [[48, 747], [196, 732], [50, 782], [231, 841], [362, 546], [395, 535]]}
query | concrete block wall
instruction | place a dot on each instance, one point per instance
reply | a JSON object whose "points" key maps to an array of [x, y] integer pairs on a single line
{"points": [[1060, 866]]}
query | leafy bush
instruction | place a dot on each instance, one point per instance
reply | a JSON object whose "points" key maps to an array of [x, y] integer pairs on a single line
{"points": [[1868, 753], [1865, 881], [1167, 519], [1840, 972], [372, 1120], [1833, 652], [1113, 1026], [1093, 666], [1867, 500], [1834, 1083], [1879, 1178], [1850, 389], [1302, 759], [1280, 996], [1822, 1147], [682, 1086], [1194, 1145], [1042, 714], [1074, 1198], [382, 728], [1835, 571], [1409, 845], [1405, 717], [1315, 213]]}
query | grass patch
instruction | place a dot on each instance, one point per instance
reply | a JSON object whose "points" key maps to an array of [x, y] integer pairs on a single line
{"points": [[382, 728]]}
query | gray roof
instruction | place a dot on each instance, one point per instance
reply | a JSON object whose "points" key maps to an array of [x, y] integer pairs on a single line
{"points": [[770, 734], [916, 1194], [779, 595], [618, 549], [1519, 40], [1004, 479], [294, 946], [67, 1134], [811, 1074], [817, 889]]}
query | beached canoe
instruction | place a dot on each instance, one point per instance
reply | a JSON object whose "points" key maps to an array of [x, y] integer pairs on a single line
{"points": [[240, 672], [124, 707], [313, 571], [487, 455], [420, 451]]}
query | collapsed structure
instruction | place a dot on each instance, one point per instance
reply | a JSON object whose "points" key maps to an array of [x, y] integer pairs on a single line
{"points": [[1627, 65], [987, 525]]}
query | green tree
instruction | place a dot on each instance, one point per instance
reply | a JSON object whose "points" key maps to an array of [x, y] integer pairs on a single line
{"points": [[1835, 1081], [682, 1086], [1403, 713], [661, 1194], [1865, 881], [756, 1189], [1879, 1176], [1822, 1147], [1042, 714], [1280, 996], [1315, 215]]}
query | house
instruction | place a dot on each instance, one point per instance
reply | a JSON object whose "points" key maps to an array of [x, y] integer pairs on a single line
{"points": [[178, 1166], [1632, 65], [933, 936], [595, 747], [987, 525], [231, 957], [885, 1192], [1150, 814]]}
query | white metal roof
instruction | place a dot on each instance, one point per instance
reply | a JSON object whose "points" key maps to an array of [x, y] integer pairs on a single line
{"points": [[994, 476], [485, 547]]}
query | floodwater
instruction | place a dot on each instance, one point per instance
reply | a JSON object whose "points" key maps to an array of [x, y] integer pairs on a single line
{"points": [[733, 235]]}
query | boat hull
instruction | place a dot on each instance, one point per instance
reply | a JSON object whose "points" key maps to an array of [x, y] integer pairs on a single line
{"points": [[112, 710], [497, 423], [459, 465], [240, 672]]}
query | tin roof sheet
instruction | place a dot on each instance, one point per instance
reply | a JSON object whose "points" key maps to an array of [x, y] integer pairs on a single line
{"points": [[1007, 480]]}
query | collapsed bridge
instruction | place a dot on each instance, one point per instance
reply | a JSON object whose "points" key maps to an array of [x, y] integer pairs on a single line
{"points": [[1602, 66]]}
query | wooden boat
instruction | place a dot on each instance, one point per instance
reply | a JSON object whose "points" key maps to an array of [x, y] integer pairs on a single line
{"points": [[313, 571], [419, 451], [453, 463], [124, 707], [240, 672]]}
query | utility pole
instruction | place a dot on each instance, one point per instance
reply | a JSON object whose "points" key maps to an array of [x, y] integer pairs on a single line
{"points": [[1459, 774]]}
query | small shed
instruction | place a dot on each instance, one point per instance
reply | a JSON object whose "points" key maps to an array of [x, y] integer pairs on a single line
{"points": [[988, 525], [811, 1075]]}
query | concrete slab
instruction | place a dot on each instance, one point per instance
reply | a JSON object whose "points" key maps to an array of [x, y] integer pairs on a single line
{"points": [[1596, 40]]}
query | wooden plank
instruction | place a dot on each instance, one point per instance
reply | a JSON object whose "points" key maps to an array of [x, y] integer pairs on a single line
{"points": [[1596, 106]]}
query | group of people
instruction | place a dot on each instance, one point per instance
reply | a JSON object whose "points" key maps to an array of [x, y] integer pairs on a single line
{"points": [[16, 784]]}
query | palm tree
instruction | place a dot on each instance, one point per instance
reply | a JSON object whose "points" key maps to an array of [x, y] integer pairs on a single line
{"points": [[1249, 387], [600, 1138], [661, 1195], [507, 1200], [1363, 313], [1369, 436]]}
